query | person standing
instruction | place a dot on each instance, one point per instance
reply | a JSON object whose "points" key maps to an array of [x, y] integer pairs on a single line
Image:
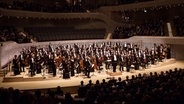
{"points": [[114, 61], [16, 65], [87, 65], [22, 61], [128, 64], [72, 63], [38, 65], [54, 68], [32, 64], [65, 68], [121, 62]]}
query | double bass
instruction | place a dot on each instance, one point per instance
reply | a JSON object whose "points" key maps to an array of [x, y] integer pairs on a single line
{"points": [[27, 58], [81, 63], [94, 62]]}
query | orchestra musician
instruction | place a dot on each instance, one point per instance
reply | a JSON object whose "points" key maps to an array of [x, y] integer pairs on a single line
{"points": [[72, 66], [137, 63], [128, 63], [77, 66], [32, 64], [94, 62], [152, 53], [22, 57], [65, 68], [26, 62], [15, 66], [112, 54], [121, 62], [125, 46], [87, 68], [54, 69], [114, 61], [99, 62], [50, 62], [81, 63], [144, 60], [38, 65], [107, 60]]}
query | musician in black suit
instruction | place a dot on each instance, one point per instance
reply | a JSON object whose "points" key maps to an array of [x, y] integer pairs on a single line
{"points": [[53, 65], [99, 62], [22, 61], [137, 63], [72, 66], [121, 62], [16, 65], [152, 54], [77, 66], [65, 68], [107, 61], [128, 63], [114, 61], [38, 64], [50, 63], [87, 65], [32, 64]]}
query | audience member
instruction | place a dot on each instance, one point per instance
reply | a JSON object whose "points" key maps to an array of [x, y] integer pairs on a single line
{"points": [[179, 25], [11, 34], [146, 29], [162, 88]]}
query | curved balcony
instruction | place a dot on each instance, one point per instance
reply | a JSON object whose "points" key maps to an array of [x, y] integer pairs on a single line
{"points": [[142, 5]]}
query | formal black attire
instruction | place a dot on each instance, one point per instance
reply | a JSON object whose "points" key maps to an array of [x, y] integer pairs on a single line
{"points": [[121, 63], [16, 66], [32, 66], [136, 65], [38, 66], [87, 68], [107, 62], [65, 69], [99, 62], [128, 64], [77, 66], [72, 68], [22, 62], [50, 64], [114, 62], [53, 68]]}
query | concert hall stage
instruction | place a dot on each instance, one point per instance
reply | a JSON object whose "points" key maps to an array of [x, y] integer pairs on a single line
{"points": [[25, 82]]}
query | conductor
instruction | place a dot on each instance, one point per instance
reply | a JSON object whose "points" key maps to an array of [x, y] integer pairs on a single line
{"points": [[114, 61]]}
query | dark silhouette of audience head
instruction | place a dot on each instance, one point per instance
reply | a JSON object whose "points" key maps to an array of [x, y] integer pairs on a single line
{"points": [[152, 88]]}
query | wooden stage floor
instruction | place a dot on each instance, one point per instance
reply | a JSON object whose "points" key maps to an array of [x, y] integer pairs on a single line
{"points": [[38, 82]]}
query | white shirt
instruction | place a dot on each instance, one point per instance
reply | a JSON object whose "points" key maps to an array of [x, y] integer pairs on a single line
{"points": [[115, 58]]}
